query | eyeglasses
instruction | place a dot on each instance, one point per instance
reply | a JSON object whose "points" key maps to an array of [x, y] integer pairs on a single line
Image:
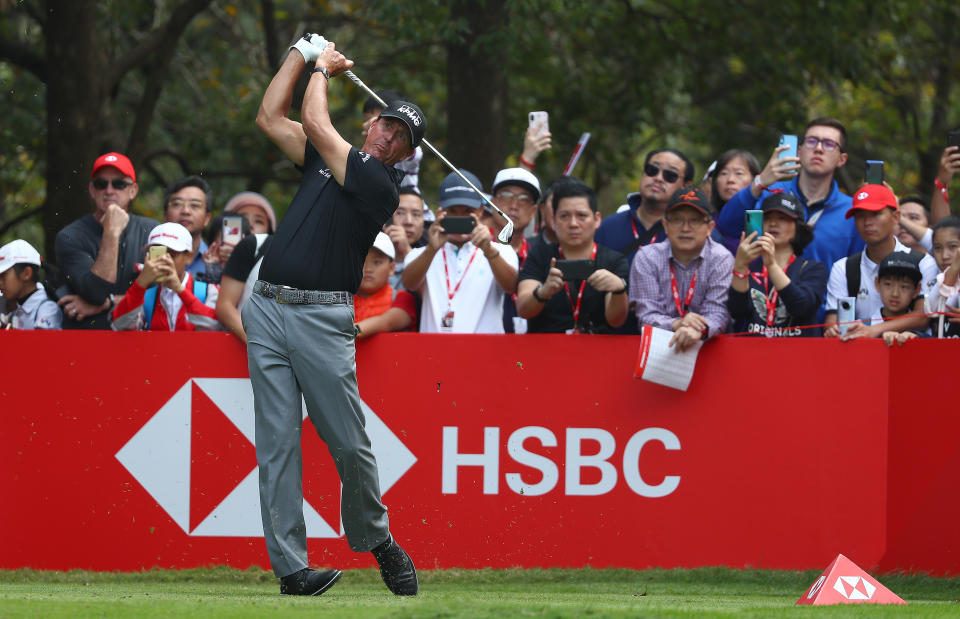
{"points": [[652, 170], [506, 195], [683, 222], [118, 183], [180, 203], [828, 145]]}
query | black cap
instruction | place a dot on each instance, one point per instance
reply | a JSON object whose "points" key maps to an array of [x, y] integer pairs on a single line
{"points": [[411, 115], [901, 263], [691, 196], [786, 203]]}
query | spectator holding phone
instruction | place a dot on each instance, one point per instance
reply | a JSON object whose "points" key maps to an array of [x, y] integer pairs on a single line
{"points": [[256, 209], [165, 296], [876, 212], [773, 291], [406, 228], [810, 177], [593, 301], [461, 275], [213, 236], [682, 285], [949, 166]]}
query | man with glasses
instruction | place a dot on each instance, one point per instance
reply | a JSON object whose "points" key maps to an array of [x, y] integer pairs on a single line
{"points": [[188, 202], [98, 252], [822, 150], [682, 285], [516, 192]]}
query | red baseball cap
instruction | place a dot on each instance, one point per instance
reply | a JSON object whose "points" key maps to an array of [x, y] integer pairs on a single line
{"points": [[114, 160], [873, 198]]}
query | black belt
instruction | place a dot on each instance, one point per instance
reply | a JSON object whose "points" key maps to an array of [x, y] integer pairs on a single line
{"points": [[286, 294]]}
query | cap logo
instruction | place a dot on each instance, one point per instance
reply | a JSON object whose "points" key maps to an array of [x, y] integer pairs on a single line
{"points": [[863, 195], [110, 158], [166, 235], [690, 195], [410, 113]]}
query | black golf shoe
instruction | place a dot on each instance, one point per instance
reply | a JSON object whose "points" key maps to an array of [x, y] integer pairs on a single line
{"points": [[309, 582], [396, 568]]}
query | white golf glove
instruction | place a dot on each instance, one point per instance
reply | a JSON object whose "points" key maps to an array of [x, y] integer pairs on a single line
{"points": [[308, 50], [318, 41]]}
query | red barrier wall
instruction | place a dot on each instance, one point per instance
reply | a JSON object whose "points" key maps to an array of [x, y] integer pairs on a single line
{"points": [[128, 451]]}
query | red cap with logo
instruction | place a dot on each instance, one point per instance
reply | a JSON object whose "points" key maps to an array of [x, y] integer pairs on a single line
{"points": [[114, 160], [872, 198]]}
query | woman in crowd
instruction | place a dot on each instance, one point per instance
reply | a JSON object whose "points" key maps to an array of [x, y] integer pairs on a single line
{"points": [[735, 170], [774, 291]]}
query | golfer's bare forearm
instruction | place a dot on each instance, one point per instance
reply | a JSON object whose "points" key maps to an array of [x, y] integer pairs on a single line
{"points": [[272, 118], [320, 130]]}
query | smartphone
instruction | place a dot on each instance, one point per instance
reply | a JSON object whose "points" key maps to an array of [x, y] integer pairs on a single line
{"points": [[753, 222], [232, 229], [155, 251], [846, 312], [458, 224], [874, 172], [953, 138], [538, 118], [577, 269], [791, 141]]}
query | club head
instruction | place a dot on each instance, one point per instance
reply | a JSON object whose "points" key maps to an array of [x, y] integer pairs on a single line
{"points": [[506, 233]]}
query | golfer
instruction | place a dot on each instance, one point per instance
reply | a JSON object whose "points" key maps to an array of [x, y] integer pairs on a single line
{"points": [[299, 321]]}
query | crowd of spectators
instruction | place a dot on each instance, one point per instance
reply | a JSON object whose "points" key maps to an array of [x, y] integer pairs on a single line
{"points": [[677, 256]]}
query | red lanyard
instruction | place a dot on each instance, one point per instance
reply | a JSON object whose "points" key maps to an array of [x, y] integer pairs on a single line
{"points": [[575, 307], [446, 273], [522, 252], [763, 279], [636, 235], [682, 309]]}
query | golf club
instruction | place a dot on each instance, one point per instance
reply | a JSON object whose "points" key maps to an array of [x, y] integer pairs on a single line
{"points": [[507, 231]]}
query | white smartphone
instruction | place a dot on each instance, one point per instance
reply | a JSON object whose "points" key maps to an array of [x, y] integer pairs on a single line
{"points": [[232, 227], [541, 119], [846, 313]]}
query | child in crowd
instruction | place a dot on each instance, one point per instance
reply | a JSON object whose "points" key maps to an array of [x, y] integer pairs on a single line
{"points": [[943, 294], [165, 297], [898, 284], [20, 282], [376, 308]]}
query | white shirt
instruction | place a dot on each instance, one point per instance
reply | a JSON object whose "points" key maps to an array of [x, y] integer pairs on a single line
{"points": [[868, 300], [478, 303], [37, 312]]}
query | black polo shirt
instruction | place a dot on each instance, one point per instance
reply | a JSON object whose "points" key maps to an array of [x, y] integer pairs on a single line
{"points": [[324, 237], [557, 313]]}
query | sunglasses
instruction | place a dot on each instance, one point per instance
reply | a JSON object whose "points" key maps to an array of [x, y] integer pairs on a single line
{"points": [[118, 183], [652, 170]]}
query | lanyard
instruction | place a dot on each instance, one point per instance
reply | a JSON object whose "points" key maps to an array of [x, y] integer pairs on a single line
{"points": [[636, 235], [523, 251], [682, 309], [763, 279], [446, 273], [575, 307]]}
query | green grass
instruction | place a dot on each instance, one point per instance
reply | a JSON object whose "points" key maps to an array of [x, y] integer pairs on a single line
{"points": [[223, 592]]}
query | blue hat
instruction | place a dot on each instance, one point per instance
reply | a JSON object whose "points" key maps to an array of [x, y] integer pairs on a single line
{"points": [[453, 191]]}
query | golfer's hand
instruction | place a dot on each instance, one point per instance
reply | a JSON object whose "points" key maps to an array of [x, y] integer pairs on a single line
{"points": [[685, 337], [603, 280], [554, 281], [333, 61], [307, 49]]}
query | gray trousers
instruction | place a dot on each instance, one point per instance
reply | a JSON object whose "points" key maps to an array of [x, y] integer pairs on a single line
{"points": [[308, 349]]}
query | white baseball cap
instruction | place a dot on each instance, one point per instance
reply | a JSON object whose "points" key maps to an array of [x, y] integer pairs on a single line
{"points": [[172, 235], [18, 252], [520, 177], [384, 244]]}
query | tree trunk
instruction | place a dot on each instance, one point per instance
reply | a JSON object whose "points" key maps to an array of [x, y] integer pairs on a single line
{"points": [[75, 70], [477, 90]]}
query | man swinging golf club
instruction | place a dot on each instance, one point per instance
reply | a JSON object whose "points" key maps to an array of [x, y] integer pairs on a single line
{"points": [[299, 322]]}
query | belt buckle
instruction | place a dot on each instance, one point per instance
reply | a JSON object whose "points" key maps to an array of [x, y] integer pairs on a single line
{"points": [[280, 289]]}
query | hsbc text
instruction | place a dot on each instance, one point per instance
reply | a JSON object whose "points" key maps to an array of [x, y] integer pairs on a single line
{"points": [[574, 461]]}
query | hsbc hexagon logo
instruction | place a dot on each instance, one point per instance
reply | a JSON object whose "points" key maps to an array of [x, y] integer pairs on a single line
{"points": [[196, 458], [854, 588]]}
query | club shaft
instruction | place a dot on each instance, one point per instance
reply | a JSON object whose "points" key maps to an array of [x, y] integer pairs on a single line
{"points": [[356, 80]]}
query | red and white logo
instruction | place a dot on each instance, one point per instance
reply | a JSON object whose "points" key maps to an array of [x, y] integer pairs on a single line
{"points": [[196, 458], [863, 195], [854, 588]]}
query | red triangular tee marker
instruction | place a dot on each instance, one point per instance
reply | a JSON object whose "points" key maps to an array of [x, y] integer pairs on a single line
{"points": [[845, 583]]}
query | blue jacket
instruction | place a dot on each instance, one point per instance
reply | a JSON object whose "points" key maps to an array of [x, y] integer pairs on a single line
{"points": [[834, 236]]}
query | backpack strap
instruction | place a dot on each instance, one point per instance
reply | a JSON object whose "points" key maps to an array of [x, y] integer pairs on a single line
{"points": [[853, 274], [149, 303]]}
